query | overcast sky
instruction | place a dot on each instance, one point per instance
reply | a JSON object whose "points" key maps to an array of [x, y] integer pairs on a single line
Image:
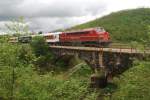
{"points": [[48, 15]]}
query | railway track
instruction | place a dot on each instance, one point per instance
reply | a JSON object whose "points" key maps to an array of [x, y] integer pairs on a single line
{"points": [[106, 49]]}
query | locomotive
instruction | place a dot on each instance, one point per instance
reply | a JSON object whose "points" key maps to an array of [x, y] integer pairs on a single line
{"points": [[86, 37]]}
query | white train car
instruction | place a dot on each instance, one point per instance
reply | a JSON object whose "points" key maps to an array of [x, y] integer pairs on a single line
{"points": [[52, 37], [13, 39]]}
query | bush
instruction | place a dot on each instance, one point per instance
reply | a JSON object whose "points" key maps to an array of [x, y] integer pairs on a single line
{"points": [[134, 84], [26, 55], [40, 47], [44, 56]]}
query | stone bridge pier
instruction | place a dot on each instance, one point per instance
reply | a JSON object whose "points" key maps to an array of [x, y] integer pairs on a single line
{"points": [[104, 65]]}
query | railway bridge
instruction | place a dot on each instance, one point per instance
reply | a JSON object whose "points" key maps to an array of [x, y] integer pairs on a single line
{"points": [[105, 62]]}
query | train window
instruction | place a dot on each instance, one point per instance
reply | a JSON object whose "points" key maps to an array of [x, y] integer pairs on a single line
{"points": [[49, 37], [78, 33], [100, 29], [55, 36]]}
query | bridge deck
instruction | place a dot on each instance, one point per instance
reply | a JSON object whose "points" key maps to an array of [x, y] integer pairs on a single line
{"points": [[114, 50]]}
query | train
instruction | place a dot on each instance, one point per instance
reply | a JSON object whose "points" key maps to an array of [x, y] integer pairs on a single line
{"points": [[86, 37]]}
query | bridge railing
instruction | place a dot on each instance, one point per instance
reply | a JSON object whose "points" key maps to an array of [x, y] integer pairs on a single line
{"points": [[129, 46]]}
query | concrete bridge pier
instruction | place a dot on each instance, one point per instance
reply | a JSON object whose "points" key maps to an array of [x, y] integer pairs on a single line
{"points": [[99, 78], [107, 66]]}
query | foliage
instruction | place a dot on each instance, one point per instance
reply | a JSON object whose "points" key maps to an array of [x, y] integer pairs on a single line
{"points": [[80, 71], [4, 38], [40, 47], [28, 84], [44, 56], [20, 80], [134, 83], [46, 59], [8, 60]]}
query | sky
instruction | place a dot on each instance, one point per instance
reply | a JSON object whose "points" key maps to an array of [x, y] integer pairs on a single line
{"points": [[49, 15]]}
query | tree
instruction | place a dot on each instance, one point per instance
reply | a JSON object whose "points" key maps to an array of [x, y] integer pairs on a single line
{"points": [[40, 32], [18, 27], [40, 47], [42, 52]]}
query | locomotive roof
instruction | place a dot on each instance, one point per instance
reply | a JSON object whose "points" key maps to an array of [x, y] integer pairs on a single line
{"points": [[84, 30], [79, 31], [53, 33]]}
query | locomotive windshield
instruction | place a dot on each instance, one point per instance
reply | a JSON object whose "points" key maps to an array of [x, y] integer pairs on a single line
{"points": [[100, 29]]}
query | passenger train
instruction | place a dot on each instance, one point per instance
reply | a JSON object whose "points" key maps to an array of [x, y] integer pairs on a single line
{"points": [[85, 37]]}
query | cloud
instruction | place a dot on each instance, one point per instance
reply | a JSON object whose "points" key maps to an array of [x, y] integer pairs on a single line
{"points": [[47, 24], [50, 8], [48, 15], [116, 5]]}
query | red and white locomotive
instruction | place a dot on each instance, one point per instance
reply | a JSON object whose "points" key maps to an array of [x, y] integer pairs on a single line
{"points": [[86, 37]]}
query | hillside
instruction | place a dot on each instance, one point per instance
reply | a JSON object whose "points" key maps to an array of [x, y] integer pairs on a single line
{"points": [[124, 26]]}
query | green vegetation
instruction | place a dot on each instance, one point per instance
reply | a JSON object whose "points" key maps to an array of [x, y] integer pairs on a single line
{"points": [[19, 72], [44, 57], [28, 72], [31, 72], [134, 83], [123, 26]]}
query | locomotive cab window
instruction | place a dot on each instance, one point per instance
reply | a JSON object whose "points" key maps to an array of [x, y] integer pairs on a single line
{"points": [[100, 29]]}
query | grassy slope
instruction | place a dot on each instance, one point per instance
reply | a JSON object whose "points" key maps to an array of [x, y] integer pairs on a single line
{"points": [[124, 26]]}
